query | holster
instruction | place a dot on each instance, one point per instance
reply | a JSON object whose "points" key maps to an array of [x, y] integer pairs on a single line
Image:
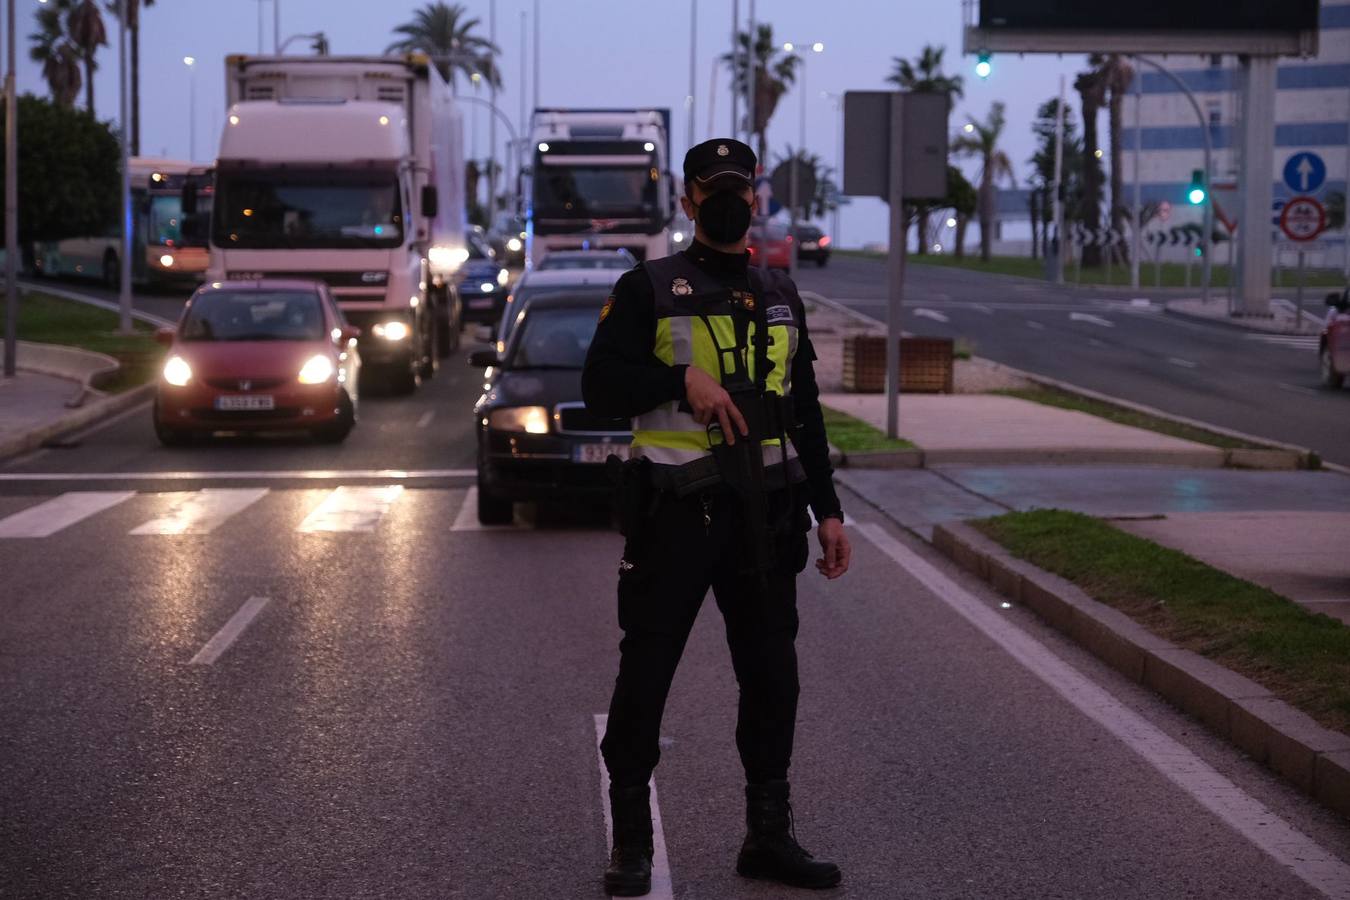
{"points": [[634, 494]]}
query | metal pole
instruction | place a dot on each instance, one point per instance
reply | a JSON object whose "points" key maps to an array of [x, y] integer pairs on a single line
{"points": [[260, 26], [753, 69], [693, 65], [1298, 294], [11, 205], [536, 54], [192, 109], [276, 27], [492, 120], [839, 165], [735, 52], [124, 267], [1138, 218], [794, 189], [895, 265], [1060, 243], [524, 56]]}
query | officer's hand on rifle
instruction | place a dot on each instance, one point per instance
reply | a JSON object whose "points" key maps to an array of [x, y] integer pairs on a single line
{"points": [[834, 544], [709, 400]]}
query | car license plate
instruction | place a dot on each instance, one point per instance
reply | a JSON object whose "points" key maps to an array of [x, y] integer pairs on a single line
{"points": [[598, 453], [810, 245], [245, 402]]}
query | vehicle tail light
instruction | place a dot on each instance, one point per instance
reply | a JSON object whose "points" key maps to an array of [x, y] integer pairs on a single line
{"points": [[824, 240]]}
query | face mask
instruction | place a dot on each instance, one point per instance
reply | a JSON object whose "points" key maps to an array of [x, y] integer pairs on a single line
{"points": [[724, 217]]}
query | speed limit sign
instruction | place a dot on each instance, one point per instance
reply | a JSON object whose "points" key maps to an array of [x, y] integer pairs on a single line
{"points": [[1303, 219]]}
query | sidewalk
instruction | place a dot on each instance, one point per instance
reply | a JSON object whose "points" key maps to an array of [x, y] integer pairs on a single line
{"points": [[30, 401], [1284, 317]]}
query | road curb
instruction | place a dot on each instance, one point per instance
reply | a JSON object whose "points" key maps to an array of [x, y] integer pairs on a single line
{"points": [[1170, 310], [85, 367], [1314, 759], [89, 414]]}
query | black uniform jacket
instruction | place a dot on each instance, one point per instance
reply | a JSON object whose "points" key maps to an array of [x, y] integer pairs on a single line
{"points": [[624, 378]]}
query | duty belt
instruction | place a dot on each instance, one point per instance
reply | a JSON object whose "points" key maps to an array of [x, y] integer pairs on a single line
{"points": [[704, 474]]}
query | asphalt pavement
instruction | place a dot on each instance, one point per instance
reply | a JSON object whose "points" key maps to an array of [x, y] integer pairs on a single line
{"points": [[1117, 342]]}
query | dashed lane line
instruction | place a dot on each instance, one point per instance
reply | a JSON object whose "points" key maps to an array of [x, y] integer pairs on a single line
{"points": [[201, 512], [661, 883], [1031, 323], [229, 633], [933, 314], [351, 508], [1246, 815], [1183, 363], [1298, 389], [1091, 319], [425, 419], [58, 513]]}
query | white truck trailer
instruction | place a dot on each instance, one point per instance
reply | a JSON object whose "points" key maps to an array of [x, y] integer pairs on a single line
{"points": [[600, 179], [349, 170]]}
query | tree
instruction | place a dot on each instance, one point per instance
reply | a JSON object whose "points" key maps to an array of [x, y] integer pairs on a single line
{"points": [[813, 169], [133, 8], [774, 71], [69, 165], [963, 201], [1091, 87], [52, 48], [445, 33], [1043, 165], [924, 76], [981, 141], [1117, 75], [84, 24]]}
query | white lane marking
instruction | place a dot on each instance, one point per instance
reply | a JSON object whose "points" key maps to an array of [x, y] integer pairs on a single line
{"points": [[243, 475], [1240, 811], [222, 639], [1091, 319], [1140, 302], [426, 418], [1297, 389], [1292, 341], [467, 517], [987, 310], [1184, 363], [201, 512], [1036, 325], [351, 508], [47, 518], [931, 314], [661, 884]]}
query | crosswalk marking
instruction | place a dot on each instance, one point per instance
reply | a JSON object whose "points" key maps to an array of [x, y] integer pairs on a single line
{"points": [[1292, 341], [467, 517], [350, 508], [201, 512], [47, 518]]}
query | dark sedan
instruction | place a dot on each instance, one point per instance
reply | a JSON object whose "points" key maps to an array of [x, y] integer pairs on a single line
{"points": [[536, 441], [813, 244], [482, 283]]}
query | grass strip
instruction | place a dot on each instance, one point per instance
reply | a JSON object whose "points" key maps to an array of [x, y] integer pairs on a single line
{"points": [[54, 320], [1048, 396], [1300, 656], [853, 435]]}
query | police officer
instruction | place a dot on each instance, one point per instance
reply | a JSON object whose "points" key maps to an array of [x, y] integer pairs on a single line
{"points": [[710, 358]]}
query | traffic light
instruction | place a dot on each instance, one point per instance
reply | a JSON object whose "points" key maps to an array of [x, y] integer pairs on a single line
{"points": [[1198, 191], [983, 67]]}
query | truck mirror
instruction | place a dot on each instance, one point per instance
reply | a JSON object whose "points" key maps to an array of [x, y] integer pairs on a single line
{"points": [[190, 199], [430, 205]]}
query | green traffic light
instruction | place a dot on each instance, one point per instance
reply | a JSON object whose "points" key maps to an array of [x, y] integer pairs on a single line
{"points": [[1197, 195], [1197, 191], [983, 67]]}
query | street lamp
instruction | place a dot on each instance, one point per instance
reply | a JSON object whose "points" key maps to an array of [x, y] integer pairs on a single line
{"points": [[191, 63], [794, 187]]}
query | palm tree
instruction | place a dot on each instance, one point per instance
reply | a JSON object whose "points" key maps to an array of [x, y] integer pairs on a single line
{"points": [[84, 24], [774, 71], [1091, 87], [133, 8], [444, 32], [924, 76], [980, 139], [814, 172], [1117, 75], [59, 58]]}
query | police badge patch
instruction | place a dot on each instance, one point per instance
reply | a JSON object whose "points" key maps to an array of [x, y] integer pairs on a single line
{"points": [[779, 315], [604, 310], [681, 287], [723, 150]]}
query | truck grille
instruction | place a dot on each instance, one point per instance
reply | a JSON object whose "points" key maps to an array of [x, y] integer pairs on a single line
{"points": [[574, 418]]}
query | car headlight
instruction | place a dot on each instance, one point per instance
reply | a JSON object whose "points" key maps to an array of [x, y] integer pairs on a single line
{"points": [[447, 258], [177, 372], [529, 419], [166, 260], [503, 277], [390, 331], [316, 370], [487, 287], [514, 245]]}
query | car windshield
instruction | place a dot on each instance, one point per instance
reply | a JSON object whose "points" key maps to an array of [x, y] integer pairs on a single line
{"points": [[254, 316], [578, 191], [586, 261], [554, 338], [296, 208]]}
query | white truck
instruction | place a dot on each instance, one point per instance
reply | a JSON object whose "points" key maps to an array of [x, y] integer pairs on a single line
{"points": [[348, 170], [599, 179]]}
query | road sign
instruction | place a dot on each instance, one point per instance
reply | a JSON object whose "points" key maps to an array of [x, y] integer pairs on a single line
{"points": [[1305, 172], [1303, 219]]}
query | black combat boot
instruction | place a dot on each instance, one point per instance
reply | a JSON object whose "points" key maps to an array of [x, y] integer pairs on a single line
{"points": [[771, 851], [630, 864]]}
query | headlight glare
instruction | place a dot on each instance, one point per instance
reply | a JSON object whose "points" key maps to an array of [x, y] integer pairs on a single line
{"points": [[503, 277], [391, 331], [166, 260], [514, 245], [529, 419], [487, 287], [177, 372], [316, 370]]}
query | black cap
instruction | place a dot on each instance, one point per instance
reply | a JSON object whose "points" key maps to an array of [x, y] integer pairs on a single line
{"points": [[718, 159]]}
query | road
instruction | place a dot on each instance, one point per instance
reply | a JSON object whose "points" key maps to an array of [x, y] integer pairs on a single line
{"points": [[268, 668], [1264, 385]]}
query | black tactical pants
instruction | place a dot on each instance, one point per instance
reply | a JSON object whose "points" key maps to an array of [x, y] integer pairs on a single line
{"points": [[674, 563]]}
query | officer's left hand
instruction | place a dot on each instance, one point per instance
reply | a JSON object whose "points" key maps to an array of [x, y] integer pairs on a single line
{"points": [[836, 549]]}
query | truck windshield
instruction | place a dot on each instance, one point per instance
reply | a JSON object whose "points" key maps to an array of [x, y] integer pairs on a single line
{"points": [[574, 192], [307, 209]]}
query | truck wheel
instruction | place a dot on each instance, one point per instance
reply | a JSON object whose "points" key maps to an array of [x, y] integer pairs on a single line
{"points": [[493, 510], [1330, 377]]}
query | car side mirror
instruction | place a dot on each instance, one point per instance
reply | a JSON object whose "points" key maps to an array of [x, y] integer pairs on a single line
{"points": [[165, 336], [349, 333], [430, 202], [483, 359]]}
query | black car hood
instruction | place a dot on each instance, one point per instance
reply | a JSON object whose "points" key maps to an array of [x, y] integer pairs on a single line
{"points": [[534, 387]]}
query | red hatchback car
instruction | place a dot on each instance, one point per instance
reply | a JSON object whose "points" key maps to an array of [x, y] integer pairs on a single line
{"points": [[258, 356], [771, 246], [1334, 347]]}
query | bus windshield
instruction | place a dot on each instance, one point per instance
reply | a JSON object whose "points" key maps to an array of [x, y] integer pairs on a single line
{"points": [[165, 223], [571, 192], [319, 209]]}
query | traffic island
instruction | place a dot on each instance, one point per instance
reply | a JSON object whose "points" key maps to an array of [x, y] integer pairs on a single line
{"points": [[1257, 669]]}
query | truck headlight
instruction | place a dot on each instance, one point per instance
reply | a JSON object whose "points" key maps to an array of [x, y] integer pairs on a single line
{"points": [[316, 370], [391, 331], [529, 419], [166, 260], [177, 372], [503, 277], [447, 258], [514, 245]]}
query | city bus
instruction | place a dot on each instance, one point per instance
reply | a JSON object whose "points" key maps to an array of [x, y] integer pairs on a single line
{"points": [[158, 256]]}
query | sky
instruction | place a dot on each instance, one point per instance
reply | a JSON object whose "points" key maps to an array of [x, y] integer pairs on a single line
{"points": [[619, 53]]}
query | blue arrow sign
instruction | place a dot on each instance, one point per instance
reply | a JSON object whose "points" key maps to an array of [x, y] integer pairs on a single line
{"points": [[1305, 172]]}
